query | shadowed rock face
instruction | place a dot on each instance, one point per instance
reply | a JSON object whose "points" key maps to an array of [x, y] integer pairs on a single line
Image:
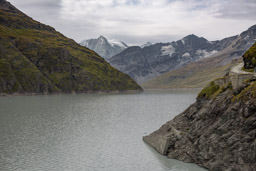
{"points": [[34, 58], [218, 131]]}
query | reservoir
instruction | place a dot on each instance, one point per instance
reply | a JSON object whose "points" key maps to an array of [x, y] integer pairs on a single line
{"points": [[88, 132]]}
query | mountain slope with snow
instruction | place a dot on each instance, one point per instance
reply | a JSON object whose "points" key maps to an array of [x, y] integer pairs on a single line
{"points": [[105, 47], [199, 73], [145, 63]]}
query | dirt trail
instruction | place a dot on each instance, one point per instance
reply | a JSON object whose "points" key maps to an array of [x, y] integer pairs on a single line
{"points": [[238, 70]]}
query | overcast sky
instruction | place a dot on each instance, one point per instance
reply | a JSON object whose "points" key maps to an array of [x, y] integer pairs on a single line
{"points": [[139, 21]]}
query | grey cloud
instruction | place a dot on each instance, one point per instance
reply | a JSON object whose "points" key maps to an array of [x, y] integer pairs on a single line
{"points": [[37, 3], [45, 11], [138, 27], [237, 9], [139, 40], [38, 8]]}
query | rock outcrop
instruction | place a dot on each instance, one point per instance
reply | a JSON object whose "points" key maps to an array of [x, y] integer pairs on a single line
{"points": [[250, 58], [34, 58], [218, 131]]}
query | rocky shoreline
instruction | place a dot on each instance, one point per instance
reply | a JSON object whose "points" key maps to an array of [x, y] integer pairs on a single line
{"points": [[218, 131]]}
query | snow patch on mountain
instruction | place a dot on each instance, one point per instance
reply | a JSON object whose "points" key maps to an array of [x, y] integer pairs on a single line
{"points": [[167, 50], [114, 42], [146, 44], [204, 54], [186, 55]]}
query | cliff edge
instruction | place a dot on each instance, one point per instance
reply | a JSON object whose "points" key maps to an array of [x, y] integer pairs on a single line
{"points": [[218, 131]]}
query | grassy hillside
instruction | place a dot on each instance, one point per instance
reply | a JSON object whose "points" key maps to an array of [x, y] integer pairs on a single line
{"points": [[36, 58], [194, 75]]}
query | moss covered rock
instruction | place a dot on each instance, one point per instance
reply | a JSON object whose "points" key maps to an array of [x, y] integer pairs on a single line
{"points": [[250, 58]]}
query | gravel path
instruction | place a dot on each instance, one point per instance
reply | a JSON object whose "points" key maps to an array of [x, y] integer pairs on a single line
{"points": [[238, 70]]}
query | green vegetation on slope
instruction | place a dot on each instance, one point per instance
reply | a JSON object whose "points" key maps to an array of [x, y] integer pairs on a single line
{"points": [[194, 75], [250, 58], [35, 58], [249, 90], [246, 90], [210, 90]]}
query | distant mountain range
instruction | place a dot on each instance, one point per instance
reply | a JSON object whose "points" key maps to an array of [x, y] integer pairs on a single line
{"points": [[144, 63], [147, 62], [199, 73], [105, 47]]}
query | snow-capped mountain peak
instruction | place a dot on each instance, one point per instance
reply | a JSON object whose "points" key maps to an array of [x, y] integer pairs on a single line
{"points": [[115, 42], [104, 46]]}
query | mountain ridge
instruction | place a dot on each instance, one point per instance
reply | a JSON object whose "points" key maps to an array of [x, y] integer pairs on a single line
{"points": [[34, 58], [153, 60], [194, 74]]}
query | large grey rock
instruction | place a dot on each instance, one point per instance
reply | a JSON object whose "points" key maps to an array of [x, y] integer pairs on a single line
{"points": [[217, 132]]}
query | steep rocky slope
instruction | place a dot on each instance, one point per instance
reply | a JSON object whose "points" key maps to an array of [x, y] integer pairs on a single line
{"points": [[199, 73], [218, 131], [104, 47], [34, 58]]}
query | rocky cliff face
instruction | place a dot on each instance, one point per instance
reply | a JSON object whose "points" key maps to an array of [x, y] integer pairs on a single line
{"points": [[218, 131], [104, 47], [34, 58], [146, 63]]}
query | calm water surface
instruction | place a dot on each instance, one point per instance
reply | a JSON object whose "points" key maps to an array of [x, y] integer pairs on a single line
{"points": [[87, 132]]}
